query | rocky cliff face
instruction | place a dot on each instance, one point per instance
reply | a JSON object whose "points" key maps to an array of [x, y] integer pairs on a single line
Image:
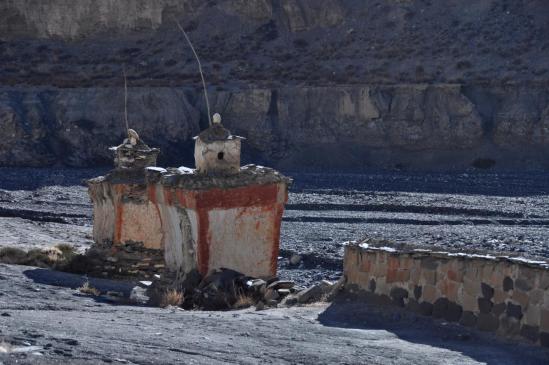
{"points": [[402, 126], [311, 84]]}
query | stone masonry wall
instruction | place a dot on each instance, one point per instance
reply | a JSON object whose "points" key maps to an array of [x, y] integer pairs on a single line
{"points": [[129, 260], [508, 296]]}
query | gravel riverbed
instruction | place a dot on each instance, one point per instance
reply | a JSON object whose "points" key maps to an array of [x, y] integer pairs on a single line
{"points": [[502, 212], [46, 320]]}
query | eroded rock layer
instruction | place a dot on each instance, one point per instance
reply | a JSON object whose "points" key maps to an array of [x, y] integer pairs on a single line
{"points": [[311, 84]]}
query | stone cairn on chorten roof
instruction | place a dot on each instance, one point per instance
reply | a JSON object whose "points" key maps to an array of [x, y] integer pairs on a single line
{"points": [[133, 153]]}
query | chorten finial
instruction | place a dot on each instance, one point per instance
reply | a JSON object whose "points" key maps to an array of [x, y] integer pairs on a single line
{"points": [[133, 136]]}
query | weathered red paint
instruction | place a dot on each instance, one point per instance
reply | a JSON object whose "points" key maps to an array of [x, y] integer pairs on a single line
{"points": [[255, 195], [168, 196], [152, 199], [202, 201], [276, 237], [203, 244], [248, 196], [119, 210], [151, 190], [242, 212], [182, 197], [264, 197]]}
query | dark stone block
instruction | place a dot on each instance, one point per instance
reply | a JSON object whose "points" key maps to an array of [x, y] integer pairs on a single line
{"points": [[510, 326], [398, 295], [399, 302], [544, 339], [487, 291], [413, 305], [417, 292], [453, 313], [382, 300], [508, 284], [368, 297], [523, 284], [487, 322], [468, 319], [514, 310], [499, 308], [372, 285], [429, 263], [485, 305], [426, 308], [530, 332], [440, 307]]}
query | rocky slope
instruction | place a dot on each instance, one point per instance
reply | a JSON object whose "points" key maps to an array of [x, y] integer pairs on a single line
{"points": [[343, 84]]}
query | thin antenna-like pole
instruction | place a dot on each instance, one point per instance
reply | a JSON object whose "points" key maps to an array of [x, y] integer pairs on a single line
{"points": [[199, 69], [125, 98]]}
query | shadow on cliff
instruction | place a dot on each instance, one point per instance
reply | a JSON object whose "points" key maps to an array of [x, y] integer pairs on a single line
{"points": [[353, 313]]}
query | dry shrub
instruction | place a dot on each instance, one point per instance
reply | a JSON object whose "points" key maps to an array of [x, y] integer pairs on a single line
{"points": [[53, 254], [41, 258], [12, 255], [172, 297], [51, 257], [86, 288], [243, 301], [67, 250], [34, 257]]}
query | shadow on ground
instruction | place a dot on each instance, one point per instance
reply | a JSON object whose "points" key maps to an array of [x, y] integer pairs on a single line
{"points": [[74, 281], [486, 348]]}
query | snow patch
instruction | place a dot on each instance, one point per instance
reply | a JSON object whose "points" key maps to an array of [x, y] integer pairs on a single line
{"points": [[156, 169], [185, 170]]}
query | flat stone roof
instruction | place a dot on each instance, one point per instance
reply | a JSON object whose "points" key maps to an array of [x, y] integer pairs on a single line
{"points": [[187, 178]]}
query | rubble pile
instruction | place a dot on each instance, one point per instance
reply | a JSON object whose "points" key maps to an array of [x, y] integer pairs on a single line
{"points": [[130, 260], [226, 289]]}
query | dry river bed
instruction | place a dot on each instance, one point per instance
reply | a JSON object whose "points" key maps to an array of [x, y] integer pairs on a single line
{"points": [[501, 212], [44, 319]]}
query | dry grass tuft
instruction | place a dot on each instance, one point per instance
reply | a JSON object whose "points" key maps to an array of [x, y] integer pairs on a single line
{"points": [[12, 255], [67, 250], [88, 289], [172, 297], [52, 257], [53, 254], [243, 301]]}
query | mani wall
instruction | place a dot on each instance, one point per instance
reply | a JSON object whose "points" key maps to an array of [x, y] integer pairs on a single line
{"points": [[500, 294]]}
